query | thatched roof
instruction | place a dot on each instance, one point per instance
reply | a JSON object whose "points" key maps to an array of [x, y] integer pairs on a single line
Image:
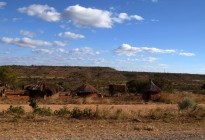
{"points": [[42, 86], [151, 87], [86, 88]]}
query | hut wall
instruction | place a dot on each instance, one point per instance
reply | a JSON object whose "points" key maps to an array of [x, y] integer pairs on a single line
{"points": [[55, 96], [36, 94], [86, 94]]}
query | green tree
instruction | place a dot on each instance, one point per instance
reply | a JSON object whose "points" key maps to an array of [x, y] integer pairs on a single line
{"points": [[135, 86], [8, 76]]}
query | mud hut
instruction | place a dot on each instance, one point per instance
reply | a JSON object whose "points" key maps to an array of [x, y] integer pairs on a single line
{"points": [[149, 90], [86, 90], [43, 90]]}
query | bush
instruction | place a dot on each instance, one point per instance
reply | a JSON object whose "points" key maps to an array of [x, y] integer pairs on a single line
{"points": [[135, 86], [16, 110], [88, 113], [187, 103], [76, 113], [33, 103], [198, 112], [62, 112], [43, 111]]}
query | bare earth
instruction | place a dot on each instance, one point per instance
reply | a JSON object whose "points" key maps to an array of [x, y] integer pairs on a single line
{"points": [[54, 128]]}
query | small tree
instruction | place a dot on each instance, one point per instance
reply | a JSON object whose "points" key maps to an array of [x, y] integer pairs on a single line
{"points": [[135, 86], [8, 76]]}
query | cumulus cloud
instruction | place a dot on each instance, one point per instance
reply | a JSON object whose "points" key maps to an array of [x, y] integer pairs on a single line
{"points": [[43, 51], [2, 4], [71, 35], [44, 12], [82, 51], [124, 16], [89, 17], [187, 54], [126, 49], [27, 33], [29, 43]]}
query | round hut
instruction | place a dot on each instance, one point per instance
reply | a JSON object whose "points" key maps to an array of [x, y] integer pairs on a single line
{"points": [[43, 90], [86, 90], [149, 90]]}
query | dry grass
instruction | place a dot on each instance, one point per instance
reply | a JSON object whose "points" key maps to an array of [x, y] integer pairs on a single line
{"points": [[171, 98]]}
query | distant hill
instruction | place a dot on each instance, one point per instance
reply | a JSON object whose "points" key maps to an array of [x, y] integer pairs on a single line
{"points": [[102, 76]]}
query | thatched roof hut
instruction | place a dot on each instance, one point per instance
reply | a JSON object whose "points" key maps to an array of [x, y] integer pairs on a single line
{"points": [[43, 90], [149, 90], [86, 90]]}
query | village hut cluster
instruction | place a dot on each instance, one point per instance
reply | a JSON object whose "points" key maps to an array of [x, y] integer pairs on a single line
{"points": [[47, 90]]}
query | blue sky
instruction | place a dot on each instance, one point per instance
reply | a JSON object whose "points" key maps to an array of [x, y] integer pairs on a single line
{"points": [[132, 35]]}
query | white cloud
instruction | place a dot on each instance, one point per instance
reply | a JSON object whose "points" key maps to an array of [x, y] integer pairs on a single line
{"points": [[155, 1], [62, 50], [126, 49], [82, 51], [16, 19], [156, 50], [136, 17], [27, 33], [43, 51], [2, 4], [71, 35], [42, 11], [29, 43], [124, 16], [149, 59], [154, 20], [187, 54], [88, 17], [163, 65], [58, 43]]}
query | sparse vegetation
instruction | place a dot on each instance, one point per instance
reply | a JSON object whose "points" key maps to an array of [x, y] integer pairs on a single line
{"points": [[16, 110], [187, 103], [43, 111], [62, 112]]}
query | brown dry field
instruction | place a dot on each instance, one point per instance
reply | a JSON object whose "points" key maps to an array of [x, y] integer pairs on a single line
{"points": [[55, 128]]}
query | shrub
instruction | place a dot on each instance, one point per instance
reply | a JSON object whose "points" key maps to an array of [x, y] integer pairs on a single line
{"points": [[88, 113], [16, 110], [43, 111], [187, 103], [33, 103], [76, 113], [155, 114], [198, 112], [62, 112]]}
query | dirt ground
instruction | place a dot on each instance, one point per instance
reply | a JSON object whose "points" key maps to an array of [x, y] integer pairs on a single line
{"points": [[55, 128]]}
